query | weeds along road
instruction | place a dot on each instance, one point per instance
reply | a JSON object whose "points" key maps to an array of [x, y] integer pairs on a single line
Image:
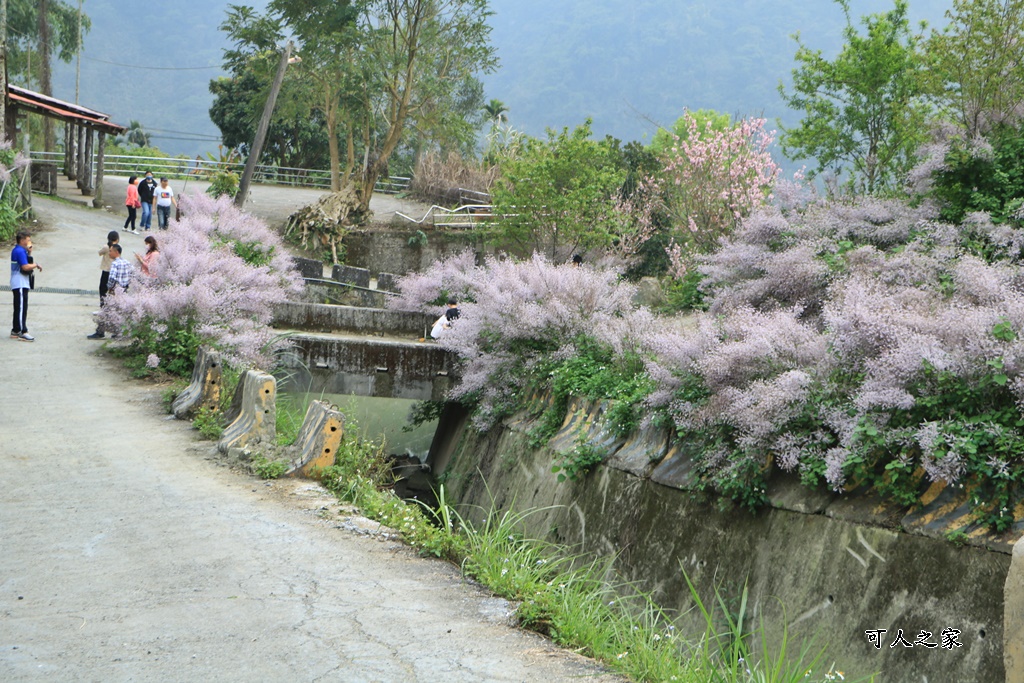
{"points": [[127, 555]]}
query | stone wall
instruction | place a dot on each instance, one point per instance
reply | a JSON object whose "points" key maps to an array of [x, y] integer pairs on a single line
{"points": [[822, 566], [389, 249]]}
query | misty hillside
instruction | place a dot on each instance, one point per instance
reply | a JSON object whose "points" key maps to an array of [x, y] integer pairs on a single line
{"points": [[624, 63]]}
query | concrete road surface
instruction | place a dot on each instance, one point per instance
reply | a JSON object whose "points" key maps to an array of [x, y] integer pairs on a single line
{"points": [[128, 553]]}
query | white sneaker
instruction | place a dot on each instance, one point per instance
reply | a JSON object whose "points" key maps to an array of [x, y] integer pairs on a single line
{"points": [[25, 336]]}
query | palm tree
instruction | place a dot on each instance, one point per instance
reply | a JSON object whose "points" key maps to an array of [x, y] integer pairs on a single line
{"points": [[495, 110], [135, 135]]}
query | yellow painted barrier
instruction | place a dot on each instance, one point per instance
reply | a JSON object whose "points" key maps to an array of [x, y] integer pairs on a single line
{"points": [[204, 390], [254, 413], [319, 439]]}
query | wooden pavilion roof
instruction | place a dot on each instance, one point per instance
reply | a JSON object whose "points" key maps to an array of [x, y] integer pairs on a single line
{"points": [[59, 109]]}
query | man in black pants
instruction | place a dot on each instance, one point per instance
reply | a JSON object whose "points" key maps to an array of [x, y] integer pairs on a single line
{"points": [[146, 189]]}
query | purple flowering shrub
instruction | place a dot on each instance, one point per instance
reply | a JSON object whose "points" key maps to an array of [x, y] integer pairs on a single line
{"points": [[860, 345], [519, 318], [219, 273]]}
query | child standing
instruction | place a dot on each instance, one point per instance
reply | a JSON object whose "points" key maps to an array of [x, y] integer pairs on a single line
{"points": [[106, 257], [133, 202], [20, 270]]}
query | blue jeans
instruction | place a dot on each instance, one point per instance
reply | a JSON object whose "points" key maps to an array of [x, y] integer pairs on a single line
{"points": [[147, 215], [163, 216]]}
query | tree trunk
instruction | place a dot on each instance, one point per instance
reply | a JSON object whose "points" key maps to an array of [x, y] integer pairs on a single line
{"points": [[45, 81], [332, 142]]}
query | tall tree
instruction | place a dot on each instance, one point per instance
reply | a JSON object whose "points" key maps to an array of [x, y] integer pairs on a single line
{"points": [[45, 81], [374, 69], [863, 111], [976, 63], [26, 20], [560, 195], [423, 50]]}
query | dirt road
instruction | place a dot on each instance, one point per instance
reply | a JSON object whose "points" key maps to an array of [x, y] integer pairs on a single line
{"points": [[128, 554]]}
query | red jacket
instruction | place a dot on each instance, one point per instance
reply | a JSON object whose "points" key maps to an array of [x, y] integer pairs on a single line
{"points": [[133, 197]]}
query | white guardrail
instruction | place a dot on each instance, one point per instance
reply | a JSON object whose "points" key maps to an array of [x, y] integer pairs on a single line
{"points": [[204, 169]]}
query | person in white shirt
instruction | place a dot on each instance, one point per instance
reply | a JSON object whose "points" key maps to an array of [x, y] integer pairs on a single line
{"points": [[163, 199]]}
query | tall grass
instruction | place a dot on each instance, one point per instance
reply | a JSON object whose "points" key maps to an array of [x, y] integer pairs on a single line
{"points": [[577, 601]]}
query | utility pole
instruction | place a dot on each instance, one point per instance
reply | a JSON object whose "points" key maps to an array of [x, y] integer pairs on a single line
{"points": [[78, 53], [261, 129]]}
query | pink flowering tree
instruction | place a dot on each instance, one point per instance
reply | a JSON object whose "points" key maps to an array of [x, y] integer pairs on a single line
{"points": [[713, 177], [219, 273]]}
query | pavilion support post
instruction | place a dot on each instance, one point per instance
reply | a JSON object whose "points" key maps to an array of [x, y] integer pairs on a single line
{"points": [[80, 156], [70, 137], [87, 179], [97, 200]]}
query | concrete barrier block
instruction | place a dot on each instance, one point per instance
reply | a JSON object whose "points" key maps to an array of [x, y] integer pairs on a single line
{"points": [[204, 390], [387, 282], [309, 267], [319, 439], [352, 276], [256, 419]]}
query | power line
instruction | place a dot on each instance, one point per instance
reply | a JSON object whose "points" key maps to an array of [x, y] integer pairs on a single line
{"points": [[181, 132], [154, 68], [172, 137]]}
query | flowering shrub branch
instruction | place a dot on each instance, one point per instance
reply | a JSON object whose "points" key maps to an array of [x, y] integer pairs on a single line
{"points": [[219, 273]]}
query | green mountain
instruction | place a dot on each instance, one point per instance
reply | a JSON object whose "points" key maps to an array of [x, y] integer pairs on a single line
{"points": [[628, 64]]}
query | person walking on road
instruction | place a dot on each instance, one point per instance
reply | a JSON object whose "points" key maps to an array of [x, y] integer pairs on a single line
{"points": [[21, 267], [164, 198], [133, 202], [147, 188]]}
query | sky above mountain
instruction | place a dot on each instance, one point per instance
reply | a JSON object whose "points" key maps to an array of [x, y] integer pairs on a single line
{"points": [[630, 65]]}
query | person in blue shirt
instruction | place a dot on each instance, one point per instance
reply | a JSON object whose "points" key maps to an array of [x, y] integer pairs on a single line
{"points": [[21, 268]]}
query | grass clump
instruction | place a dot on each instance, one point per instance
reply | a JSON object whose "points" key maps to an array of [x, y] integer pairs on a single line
{"points": [[569, 598]]}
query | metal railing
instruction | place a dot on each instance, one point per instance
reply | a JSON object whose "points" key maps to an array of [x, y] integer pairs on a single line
{"points": [[465, 216], [205, 169]]}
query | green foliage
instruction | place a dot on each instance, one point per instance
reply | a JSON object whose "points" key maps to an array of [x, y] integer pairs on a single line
{"points": [[423, 412], [863, 112], [663, 139], [268, 469], [684, 294], [558, 196], [224, 182], [209, 422], [990, 182], [575, 464], [176, 347], [8, 214], [290, 413], [595, 373], [974, 63], [171, 392]]}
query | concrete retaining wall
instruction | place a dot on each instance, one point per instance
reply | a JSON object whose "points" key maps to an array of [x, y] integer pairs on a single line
{"points": [[830, 576], [391, 252], [364, 367], [356, 319]]}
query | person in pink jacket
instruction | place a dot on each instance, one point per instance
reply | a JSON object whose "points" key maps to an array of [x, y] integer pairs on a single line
{"points": [[147, 261], [133, 202]]}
